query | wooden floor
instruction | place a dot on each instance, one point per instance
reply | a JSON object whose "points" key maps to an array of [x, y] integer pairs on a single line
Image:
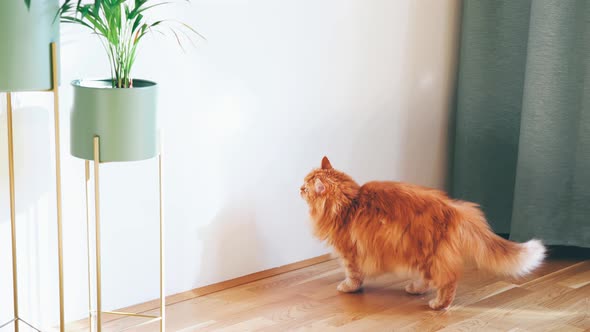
{"points": [[556, 298]]}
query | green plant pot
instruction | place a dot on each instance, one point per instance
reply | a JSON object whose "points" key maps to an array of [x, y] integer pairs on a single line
{"points": [[25, 44], [124, 119]]}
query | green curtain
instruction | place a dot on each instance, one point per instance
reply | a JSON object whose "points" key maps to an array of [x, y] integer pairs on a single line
{"points": [[522, 131]]}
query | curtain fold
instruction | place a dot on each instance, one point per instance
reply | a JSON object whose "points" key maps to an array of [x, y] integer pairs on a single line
{"points": [[522, 140]]}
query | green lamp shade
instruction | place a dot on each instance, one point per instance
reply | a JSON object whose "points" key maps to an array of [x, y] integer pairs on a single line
{"points": [[123, 118], [26, 35]]}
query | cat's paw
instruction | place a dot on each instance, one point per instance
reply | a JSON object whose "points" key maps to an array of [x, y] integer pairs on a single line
{"points": [[416, 288], [349, 286], [435, 304]]}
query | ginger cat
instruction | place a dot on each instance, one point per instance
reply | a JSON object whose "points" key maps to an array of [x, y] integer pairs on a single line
{"points": [[383, 227]]}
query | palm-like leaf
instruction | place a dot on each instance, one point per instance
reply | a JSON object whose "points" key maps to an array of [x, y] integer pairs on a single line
{"points": [[120, 25]]}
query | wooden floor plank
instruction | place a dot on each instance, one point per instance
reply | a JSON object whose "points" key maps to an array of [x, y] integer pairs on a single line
{"points": [[556, 298]]}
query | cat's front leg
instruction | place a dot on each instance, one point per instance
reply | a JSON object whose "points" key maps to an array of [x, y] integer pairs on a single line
{"points": [[354, 277]]}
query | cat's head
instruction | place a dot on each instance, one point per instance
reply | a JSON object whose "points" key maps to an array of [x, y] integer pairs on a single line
{"points": [[328, 184]]}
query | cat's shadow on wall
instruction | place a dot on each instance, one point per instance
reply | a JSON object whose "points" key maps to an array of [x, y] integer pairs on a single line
{"points": [[231, 243]]}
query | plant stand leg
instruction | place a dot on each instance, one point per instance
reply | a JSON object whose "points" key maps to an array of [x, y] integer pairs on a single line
{"points": [[89, 260], [99, 313], [12, 208], [162, 267], [97, 233], [55, 89]]}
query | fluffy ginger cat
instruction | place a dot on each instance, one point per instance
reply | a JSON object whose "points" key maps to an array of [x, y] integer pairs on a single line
{"points": [[383, 227]]}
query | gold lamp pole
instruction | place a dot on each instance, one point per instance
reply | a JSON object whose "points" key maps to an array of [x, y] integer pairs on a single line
{"points": [[55, 85]]}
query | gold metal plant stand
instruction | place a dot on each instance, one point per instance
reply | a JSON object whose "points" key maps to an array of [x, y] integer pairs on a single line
{"points": [[99, 312], [54, 88]]}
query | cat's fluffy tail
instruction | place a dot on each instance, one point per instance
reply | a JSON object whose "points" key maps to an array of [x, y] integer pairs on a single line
{"points": [[491, 251]]}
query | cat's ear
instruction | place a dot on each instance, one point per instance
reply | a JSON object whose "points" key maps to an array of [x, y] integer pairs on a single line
{"points": [[320, 188], [326, 163]]}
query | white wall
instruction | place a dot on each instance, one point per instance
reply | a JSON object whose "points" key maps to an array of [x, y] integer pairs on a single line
{"points": [[246, 114]]}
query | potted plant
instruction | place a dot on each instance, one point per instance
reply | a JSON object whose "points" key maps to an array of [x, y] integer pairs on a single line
{"points": [[27, 28], [121, 110]]}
